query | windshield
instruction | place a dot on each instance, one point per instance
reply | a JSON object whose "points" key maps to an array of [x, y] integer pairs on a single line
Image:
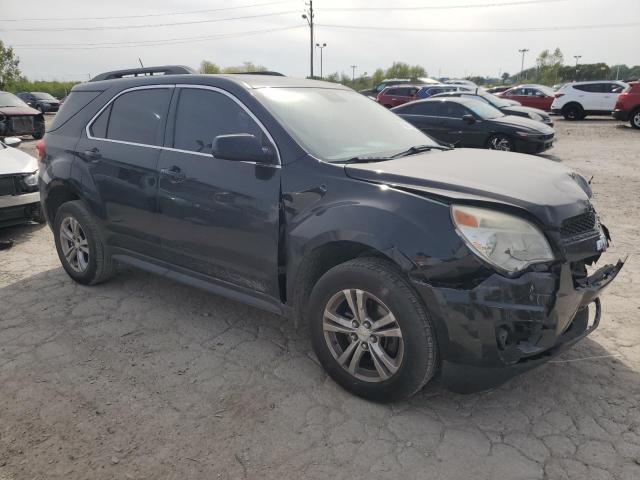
{"points": [[10, 100], [335, 125], [495, 101], [484, 110], [43, 96]]}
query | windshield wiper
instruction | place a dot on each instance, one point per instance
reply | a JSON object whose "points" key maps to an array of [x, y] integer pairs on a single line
{"points": [[420, 149], [365, 160]]}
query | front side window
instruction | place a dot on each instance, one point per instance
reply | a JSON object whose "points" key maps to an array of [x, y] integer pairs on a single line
{"points": [[137, 117], [452, 110], [203, 114]]}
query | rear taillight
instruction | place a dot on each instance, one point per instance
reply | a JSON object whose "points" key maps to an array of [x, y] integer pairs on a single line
{"points": [[558, 95], [40, 150]]}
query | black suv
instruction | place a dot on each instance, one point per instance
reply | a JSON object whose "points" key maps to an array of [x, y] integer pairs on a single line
{"points": [[304, 198]]}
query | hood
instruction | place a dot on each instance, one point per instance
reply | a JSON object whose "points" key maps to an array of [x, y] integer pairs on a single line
{"points": [[546, 189], [13, 161], [525, 110], [26, 110], [525, 123]]}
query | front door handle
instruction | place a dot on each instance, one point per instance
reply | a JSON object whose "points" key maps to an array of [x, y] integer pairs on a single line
{"points": [[175, 174]]}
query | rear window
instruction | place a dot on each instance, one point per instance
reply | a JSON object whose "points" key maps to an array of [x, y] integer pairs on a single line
{"points": [[74, 102], [137, 117]]}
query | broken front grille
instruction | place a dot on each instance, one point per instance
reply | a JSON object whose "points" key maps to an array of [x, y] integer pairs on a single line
{"points": [[7, 186], [22, 124], [579, 225]]}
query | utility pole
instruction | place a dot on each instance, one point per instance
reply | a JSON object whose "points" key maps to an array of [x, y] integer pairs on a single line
{"points": [[353, 75], [522, 51], [321, 47], [577, 57], [308, 16]]}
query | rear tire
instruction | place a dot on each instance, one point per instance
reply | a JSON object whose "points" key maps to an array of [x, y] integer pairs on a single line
{"points": [[38, 132], [573, 112], [634, 119], [392, 353], [80, 245]]}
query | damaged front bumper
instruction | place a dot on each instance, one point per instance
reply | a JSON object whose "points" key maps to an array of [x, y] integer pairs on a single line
{"points": [[504, 326]]}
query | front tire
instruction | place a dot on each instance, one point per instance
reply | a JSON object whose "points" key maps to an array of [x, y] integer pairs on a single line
{"points": [[500, 142], [80, 246], [634, 120], [371, 332]]}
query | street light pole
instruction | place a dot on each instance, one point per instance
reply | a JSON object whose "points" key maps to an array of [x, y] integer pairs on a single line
{"points": [[309, 18], [353, 75], [522, 51], [577, 57], [321, 47]]}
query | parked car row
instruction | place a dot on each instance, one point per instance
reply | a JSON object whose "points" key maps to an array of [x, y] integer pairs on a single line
{"points": [[399, 94]]}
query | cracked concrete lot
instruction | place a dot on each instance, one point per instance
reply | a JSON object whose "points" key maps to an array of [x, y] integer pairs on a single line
{"points": [[145, 378]]}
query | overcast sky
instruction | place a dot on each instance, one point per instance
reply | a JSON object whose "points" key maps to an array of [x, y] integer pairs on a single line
{"points": [[450, 54]]}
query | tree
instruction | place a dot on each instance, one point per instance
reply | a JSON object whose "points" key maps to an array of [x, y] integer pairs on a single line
{"points": [[505, 77], [377, 77], [404, 70], [549, 65], [209, 67], [9, 71], [245, 67]]}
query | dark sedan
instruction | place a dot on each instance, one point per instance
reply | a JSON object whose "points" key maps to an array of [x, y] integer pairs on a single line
{"points": [[508, 107], [17, 118], [466, 122], [42, 101]]}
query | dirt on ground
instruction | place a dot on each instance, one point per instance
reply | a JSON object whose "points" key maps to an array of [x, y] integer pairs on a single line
{"points": [[144, 378]]}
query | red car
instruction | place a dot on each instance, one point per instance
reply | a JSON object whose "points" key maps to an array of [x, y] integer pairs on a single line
{"points": [[17, 118], [393, 96], [628, 106], [535, 96]]}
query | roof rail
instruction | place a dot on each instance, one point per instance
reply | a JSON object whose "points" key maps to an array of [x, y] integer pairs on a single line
{"points": [[142, 72]]}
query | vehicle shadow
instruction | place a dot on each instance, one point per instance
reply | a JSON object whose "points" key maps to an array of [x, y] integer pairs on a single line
{"points": [[551, 157], [20, 233]]}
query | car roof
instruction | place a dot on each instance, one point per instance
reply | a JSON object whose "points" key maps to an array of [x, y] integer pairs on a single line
{"points": [[247, 81], [588, 82], [460, 100]]}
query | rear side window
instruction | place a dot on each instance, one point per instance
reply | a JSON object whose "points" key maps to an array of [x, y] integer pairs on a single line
{"points": [[589, 87], [202, 115], [74, 102], [137, 117], [426, 108]]}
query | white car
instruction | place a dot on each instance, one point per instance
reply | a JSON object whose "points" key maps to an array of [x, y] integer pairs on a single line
{"points": [[19, 195], [576, 100]]}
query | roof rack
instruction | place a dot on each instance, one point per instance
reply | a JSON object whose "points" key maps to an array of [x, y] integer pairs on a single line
{"points": [[143, 72], [275, 74]]}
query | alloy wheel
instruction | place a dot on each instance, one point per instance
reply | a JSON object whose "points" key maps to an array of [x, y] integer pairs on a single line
{"points": [[74, 243], [500, 143], [636, 119], [363, 335]]}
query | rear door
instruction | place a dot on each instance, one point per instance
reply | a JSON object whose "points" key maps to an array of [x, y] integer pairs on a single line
{"points": [[424, 116], [219, 218], [121, 150], [609, 96]]}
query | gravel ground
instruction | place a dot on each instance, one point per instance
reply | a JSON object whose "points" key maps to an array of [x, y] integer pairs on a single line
{"points": [[145, 378]]}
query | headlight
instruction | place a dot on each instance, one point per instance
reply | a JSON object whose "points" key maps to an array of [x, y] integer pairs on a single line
{"points": [[527, 134], [31, 180], [505, 241], [535, 116]]}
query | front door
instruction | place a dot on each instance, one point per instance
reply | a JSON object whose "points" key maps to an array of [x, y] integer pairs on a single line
{"points": [[121, 154], [220, 218]]}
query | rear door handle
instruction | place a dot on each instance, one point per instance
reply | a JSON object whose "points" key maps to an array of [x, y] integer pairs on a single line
{"points": [[92, 154], [175, 174]]}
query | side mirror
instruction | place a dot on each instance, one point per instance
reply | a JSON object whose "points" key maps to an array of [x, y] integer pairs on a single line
{"points": [[12, 142], [468, 118], [242, 146]]}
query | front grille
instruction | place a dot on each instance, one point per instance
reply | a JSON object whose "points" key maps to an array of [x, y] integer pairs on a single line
{"points": [[580, 224], [22, 124], [7, 186]]}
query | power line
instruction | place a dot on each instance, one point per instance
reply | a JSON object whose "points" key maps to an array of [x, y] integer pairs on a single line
{"points": [[150, 43], [439, 7], [483, 30], [130, 27], [146, 15]]}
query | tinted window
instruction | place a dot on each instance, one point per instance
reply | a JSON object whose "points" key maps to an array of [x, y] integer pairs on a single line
{"points": [[393, 91], [139, 116], [426, 108], [452, 110], [99, 126], [588, 87], [202, 115], [74, 102]]}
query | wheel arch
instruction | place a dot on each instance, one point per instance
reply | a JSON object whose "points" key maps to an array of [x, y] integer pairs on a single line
{"points": [[58, 192]]}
